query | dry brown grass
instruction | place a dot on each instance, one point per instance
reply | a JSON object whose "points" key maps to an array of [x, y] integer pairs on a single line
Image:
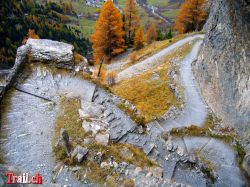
{"points": [[154, 47], [77, 58], [152, 97]]}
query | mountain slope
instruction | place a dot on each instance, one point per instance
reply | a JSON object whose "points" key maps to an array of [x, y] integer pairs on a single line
{"points": [[47, 20]]}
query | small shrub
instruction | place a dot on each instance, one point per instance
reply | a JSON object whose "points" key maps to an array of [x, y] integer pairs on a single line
{"points": [[128, 183], [132, 58], [240, 150], [103, 73], [138, 119], [111, 78], [78, 58], [60, 153]]}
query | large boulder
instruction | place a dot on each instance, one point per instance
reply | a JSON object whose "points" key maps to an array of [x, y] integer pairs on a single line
{"points": [[79, 153], [64, 141], [44, 50]]}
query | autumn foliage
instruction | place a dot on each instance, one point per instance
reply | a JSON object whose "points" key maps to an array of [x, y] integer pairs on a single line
{"points": [[151, 33], [133, 57], [102, 75], [108, 41], [131, 19], [111, 78], [139, 38], [192, 16], [31, 34]]}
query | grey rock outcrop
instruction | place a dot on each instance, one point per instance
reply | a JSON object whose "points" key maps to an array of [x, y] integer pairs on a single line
{"points": [[44, 50], [64, 140], [79, 153], [223, 67]]}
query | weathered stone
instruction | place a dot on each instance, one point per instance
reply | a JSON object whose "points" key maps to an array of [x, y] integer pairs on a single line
{"points": [[169, 166], [107, 113], [64, 138], [180, 151], [147, 148], [155, 76], [188, 177], [110, 118], [76, 168], [58, 166], [138, 170], [43, 50], [87, 141], [97, 157], [149, 174], [157, 172], [93, 126], [102, 138], [121, 168], [90, 110], [126, 153], [169, 145], [107, 165], [79, 153]]}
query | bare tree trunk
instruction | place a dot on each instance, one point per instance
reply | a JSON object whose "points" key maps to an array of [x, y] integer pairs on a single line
{"points": [[100, 68]]}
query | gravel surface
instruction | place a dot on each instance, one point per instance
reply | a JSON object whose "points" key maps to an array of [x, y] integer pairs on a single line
{"points": [[154, 60], [28, 122]]}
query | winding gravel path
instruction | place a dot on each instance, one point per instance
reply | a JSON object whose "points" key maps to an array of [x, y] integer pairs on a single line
{"points": [[154, 60], [222, 156], [28, 122], [195, 111]]}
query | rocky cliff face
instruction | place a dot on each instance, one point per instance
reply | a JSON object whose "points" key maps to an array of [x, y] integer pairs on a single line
{"points": [[223, 67]]}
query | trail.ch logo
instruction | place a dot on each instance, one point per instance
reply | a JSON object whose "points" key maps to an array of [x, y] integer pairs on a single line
{"points": [[25, 178]]}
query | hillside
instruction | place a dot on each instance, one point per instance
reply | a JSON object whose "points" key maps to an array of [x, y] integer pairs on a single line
{"points": [[162, 13], [48, 21], [157, 106]]}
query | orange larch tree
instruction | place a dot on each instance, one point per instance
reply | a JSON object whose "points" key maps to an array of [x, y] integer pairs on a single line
{"points": [[139, 38], [151, 33], [192, 16], [108, 41], [31, 34], [131, 19]]}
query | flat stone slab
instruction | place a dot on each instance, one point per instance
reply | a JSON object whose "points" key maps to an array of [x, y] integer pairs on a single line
{"points": [[168, 169], [194, 144], [229, 176], [219, 153], [186, 176], [179, 142]]}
